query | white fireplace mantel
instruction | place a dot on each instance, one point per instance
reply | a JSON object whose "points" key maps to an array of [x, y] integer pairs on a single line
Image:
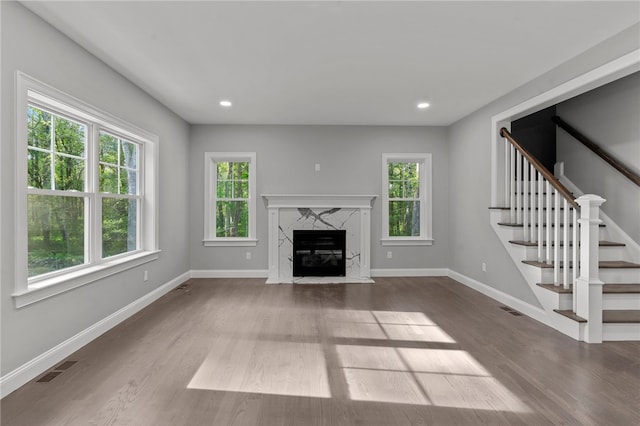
{"points": [[349, 212]]}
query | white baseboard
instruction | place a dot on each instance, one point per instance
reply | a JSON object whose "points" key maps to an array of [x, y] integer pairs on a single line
{"points": [[48, 359], [531, 311], [229, 273], [410, 272]]}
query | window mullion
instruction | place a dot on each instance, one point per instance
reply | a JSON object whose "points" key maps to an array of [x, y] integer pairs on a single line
{"points": [[52, 142], [95, 205]]}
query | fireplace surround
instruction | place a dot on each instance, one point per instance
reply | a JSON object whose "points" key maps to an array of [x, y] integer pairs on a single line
{"points": [[348, 213]]}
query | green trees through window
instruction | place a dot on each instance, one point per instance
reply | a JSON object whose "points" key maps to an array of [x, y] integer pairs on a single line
{"points": [[61, 192], [232, 199], [404, 199]]}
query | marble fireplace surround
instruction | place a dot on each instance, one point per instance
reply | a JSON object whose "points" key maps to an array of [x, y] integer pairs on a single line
{"points": [[287, 212]]}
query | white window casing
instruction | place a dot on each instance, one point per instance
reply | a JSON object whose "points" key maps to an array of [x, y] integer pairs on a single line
{"points": [[211, 159], [30, 91], [425, 199]]}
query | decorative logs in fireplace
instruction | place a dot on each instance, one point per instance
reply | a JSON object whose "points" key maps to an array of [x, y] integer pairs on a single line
{"points": [[319, 253]]}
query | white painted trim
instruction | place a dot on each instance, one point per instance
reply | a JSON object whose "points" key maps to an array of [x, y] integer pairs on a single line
{"points": [[210, 198], [410, 272], [29, 89], [23, 374], [229, 273], [70, 280], [318, 200], [534, 312], [617, 68]]}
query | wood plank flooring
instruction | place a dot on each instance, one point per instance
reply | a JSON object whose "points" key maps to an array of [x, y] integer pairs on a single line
{"points": [[403, 351]]}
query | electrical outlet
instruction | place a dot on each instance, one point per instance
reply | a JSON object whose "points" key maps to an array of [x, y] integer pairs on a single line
{"points": [[248, 255], [145, 275], [317, 167], [389, 255], [484, 267]]}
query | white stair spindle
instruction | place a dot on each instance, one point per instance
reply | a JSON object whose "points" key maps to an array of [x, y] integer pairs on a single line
{"points": [[512, 178], [576, 254], [567, 244], [507, 180], [532, 202], [548, 227], [540, 221], [556, 238], [518, 187], [525, 202]]}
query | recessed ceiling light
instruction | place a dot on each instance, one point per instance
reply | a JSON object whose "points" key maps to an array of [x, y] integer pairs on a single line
{"points": [[225, 103], [423, 105]]}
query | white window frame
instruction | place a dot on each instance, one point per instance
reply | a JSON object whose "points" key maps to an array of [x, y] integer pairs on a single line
{"points": [[30, 290], [211, 159], [426, 205]]}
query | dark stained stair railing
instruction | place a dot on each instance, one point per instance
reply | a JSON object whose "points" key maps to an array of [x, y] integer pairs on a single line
{"points": [[617, 164]]}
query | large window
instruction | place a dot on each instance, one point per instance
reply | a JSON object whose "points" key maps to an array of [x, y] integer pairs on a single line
{"points": [[229, 199], [406, 199], [87, 209]]}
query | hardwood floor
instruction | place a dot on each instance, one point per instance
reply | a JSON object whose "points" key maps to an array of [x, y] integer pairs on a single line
{"points": [[420, 351]]}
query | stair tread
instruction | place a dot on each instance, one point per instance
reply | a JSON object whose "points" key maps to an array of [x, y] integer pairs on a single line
{"points": [[621, 316], [602, 243], [603, 264], [570, 314], [617, 288]]}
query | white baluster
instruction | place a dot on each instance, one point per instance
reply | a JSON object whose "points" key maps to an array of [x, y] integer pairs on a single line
{"points": [[525, 203], [507, 179], [556, 238], [576, 254], [512, 179], [540, 221], [532, 203], [567, 243], [548, 228], [518, 187]]}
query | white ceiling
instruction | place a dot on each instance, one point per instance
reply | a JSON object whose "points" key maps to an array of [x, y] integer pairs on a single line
{"points": [[334, 62]]}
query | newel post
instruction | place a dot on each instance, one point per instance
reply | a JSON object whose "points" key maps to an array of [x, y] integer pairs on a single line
{"points": [[588, 286]]}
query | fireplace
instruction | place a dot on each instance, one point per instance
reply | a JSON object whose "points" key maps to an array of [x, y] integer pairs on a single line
{"points": [[319, 253]]}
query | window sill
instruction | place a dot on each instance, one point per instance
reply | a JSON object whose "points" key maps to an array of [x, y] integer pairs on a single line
{"points": [[50, 287], [231, 242], [406, 241]]}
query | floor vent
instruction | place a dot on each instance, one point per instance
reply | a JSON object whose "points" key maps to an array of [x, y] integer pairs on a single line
{"points": [[56, 372], [511, 311], [49, 376], [184, 286], [65, 365]]}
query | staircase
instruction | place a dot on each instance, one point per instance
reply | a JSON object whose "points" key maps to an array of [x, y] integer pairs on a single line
{"points": [[583, 269]]}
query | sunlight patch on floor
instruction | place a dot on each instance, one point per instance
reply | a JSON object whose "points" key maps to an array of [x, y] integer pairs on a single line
{"points": [[267, 367]]}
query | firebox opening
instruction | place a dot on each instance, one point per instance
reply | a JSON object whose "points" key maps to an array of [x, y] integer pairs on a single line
{"points": [[319, 253]]}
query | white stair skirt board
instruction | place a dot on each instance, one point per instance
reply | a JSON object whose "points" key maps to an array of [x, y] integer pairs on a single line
{"points": [[21, 375]]}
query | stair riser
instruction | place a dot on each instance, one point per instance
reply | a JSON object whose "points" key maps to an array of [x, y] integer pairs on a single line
{"points": [[621, 301], [619, 332], [619, 275], [605, 275], [606, 253]]}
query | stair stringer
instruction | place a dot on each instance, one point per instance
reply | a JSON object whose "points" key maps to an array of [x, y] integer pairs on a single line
{"points": [[533, 275]]}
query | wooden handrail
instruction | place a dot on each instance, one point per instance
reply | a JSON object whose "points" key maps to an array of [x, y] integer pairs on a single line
{"points": [[628, 173], [562, 190]]}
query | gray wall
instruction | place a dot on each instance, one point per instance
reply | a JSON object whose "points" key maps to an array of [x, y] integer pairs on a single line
{"points": [[471, 239], [350, 159], [32, 46], [610, 117]]}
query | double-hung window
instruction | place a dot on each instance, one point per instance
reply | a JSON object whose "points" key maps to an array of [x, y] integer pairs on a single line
{"points": [[230, 210], [86, 193], [406, 207]]}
